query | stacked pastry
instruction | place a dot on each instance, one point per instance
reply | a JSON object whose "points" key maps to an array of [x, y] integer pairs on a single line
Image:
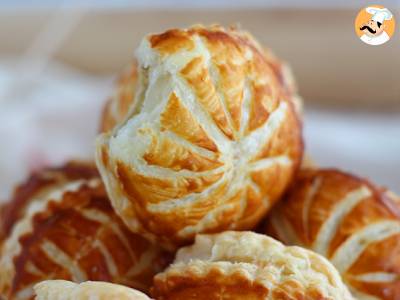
{"points": [[200, 140]]}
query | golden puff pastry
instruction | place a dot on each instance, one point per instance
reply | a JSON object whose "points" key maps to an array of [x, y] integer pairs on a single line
{"points": [[246, 265], [89, 290], [63, 227], [117, 107], [351, 222], [211, 141]]}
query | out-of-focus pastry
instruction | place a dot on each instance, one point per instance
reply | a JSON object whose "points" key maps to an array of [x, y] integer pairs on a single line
{"points": [[210, 143], [308, 162], [350, 221], [89, 290], [246, 265], [39, 184], [60, 225], [285, 75], [117, 107]]}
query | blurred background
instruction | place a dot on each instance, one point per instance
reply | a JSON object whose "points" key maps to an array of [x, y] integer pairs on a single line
{"points": [[58, 60]]}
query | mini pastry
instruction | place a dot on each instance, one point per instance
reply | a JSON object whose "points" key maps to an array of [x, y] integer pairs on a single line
{"points": [[210, 143], [61, 226], [245, 265], [89, 290], [350, 221]]}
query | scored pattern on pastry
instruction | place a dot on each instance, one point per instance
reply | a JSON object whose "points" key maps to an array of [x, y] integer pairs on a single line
{"points": [[89, 290], [71, 232], [210, 143], [246, 265], [39, 184], [349, 221], [116, 109]]}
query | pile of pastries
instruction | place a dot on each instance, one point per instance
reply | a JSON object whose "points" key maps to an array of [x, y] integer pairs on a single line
{"points": [[200, 190]]}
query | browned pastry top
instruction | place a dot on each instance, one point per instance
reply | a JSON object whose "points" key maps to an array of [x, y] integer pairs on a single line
{"points": [[117, 106], [68, 230], [41, 182], [211, 141], [350, 221]]}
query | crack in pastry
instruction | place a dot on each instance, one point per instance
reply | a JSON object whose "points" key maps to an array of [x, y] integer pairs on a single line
{"points": [[89, 290], [210, 142], [246, 265], [348, 220], [65, 228]]}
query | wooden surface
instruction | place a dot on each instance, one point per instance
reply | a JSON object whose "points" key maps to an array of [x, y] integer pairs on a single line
{"points": [[331, 64]]}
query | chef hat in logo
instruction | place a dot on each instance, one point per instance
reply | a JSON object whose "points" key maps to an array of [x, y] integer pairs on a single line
{"points": [[379, 14]]}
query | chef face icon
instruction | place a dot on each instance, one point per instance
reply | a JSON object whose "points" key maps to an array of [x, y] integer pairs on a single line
{"points": [[372, 28], [372, 25]]}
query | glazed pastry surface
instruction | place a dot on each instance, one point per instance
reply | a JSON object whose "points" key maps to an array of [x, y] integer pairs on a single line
{"points": [[65, 228], [211, 141], [351, 222]]}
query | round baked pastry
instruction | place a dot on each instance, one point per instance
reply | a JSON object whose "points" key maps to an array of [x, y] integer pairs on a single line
{"points": [[65, 228], [89, 290], [246, 265], [117, 107], [210, 142], [351, 222]]}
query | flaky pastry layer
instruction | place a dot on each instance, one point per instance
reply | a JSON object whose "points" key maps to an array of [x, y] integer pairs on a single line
{"points": [[246, 265]]}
